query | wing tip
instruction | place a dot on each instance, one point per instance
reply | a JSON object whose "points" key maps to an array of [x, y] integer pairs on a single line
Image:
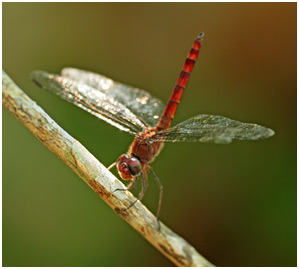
{"points": [[269, 133], [37, 75]]}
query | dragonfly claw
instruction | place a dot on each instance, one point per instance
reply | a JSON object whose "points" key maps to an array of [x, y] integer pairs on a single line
{"points": [[119, 190], [131, 205], [158, 225]]}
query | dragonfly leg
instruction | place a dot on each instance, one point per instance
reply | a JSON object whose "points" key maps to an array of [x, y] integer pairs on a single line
{"points": [[143, 189], [161, 194], [130, 186], [133, 184], [111, 166]]}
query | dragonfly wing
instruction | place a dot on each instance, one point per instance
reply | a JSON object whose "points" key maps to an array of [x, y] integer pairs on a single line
{"points": [[214, 129], [140, 102], [92, 100]]}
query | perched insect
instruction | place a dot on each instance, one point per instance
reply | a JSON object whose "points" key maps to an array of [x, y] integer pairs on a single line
{"points": [[137, 112]]}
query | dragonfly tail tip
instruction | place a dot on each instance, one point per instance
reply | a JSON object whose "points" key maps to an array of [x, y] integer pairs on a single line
{"points": [[200, 35]]}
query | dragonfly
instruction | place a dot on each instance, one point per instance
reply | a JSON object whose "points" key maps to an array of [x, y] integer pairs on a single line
{"points": [[139, 113]]}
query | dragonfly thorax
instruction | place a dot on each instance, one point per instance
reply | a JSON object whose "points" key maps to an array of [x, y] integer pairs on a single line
{"points": [[144, 146]]}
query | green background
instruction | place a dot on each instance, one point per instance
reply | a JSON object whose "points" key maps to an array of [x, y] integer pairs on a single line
{"points": [[236, 204]]}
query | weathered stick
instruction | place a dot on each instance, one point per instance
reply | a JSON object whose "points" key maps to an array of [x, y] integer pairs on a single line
{"points": [[86, 166]]}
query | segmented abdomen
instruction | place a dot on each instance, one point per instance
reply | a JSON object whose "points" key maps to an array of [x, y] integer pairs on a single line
{"points": [[168, 114]]}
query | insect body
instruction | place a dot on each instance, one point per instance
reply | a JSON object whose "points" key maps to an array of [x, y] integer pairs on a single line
{"points": [[137, 112]]}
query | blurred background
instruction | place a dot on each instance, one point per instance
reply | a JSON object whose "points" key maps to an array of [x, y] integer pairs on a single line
{"points": [[236, 203]]}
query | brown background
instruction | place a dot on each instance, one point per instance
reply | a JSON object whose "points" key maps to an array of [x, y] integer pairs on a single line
{"points": [[235, 203]]}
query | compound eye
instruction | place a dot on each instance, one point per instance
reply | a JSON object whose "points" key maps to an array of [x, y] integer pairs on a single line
{"points": [[134, 167], [122, 167]]}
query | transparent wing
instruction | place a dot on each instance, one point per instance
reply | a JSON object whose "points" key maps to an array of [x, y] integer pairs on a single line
{"points": [[92, 100], [140, 102], [214, 129]]}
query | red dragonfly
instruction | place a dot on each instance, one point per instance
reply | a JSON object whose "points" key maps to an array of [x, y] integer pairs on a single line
{"points": [[137, 112]]}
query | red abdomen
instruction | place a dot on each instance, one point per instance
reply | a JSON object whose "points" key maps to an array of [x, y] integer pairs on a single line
{"points": [[174, 100]]}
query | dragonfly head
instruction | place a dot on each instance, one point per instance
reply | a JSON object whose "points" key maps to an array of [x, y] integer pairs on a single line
{"points": [[128, 167]]}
